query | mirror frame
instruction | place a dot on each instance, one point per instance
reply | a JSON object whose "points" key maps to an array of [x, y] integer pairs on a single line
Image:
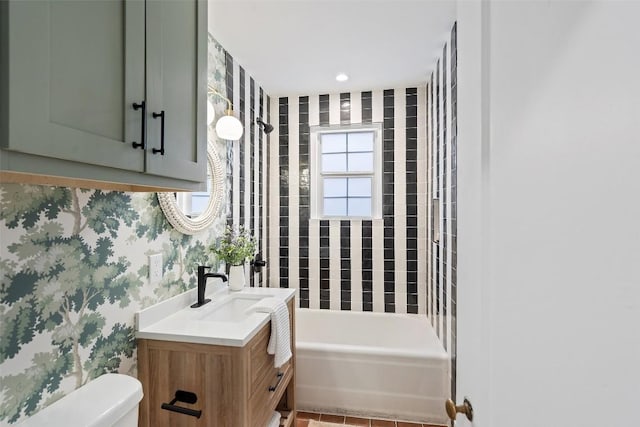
{"points": [[182, 222]]}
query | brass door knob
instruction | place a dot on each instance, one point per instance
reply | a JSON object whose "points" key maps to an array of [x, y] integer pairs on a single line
{"points": [[453, 410]]}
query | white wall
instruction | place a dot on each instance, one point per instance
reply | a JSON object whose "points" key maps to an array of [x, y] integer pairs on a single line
{"points": [[558, 170]]}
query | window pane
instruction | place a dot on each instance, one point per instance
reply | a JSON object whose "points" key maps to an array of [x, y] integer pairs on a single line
{"points": [[334, 162], [334, 142], [359, 187], [360, 162], [335, 207], [360, 207], [335, 187], [361, 141]]}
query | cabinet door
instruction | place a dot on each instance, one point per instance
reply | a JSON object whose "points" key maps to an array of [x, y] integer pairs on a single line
{"points": [[177, 85], [75, 69]]}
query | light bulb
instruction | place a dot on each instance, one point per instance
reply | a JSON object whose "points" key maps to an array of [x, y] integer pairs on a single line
{"points": [[228, 127]]}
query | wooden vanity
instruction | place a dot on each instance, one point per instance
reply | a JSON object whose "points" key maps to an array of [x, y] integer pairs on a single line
{"points": [[234, 386]]}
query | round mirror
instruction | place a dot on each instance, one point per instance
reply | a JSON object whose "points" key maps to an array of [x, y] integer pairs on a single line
{"points": [[193, 212]]}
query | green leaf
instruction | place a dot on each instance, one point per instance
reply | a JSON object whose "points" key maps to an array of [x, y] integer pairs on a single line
{"points": [[107, 352], [23, 204], [105, 211], [21, 393]]}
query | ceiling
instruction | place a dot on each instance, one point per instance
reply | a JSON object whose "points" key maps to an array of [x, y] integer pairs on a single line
{"points": [[298, 46]]}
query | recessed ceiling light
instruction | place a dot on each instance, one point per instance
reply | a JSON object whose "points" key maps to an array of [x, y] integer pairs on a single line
{"points": [[342, 77]]}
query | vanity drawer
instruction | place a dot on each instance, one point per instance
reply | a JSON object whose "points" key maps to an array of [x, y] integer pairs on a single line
{"points": [[267, 394], [261, 362]]}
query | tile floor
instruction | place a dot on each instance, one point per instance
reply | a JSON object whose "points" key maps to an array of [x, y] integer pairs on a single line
{"points": [[304, 417]]}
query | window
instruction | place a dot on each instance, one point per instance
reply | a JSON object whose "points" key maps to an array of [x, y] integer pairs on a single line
{"points": [[346, 172]]}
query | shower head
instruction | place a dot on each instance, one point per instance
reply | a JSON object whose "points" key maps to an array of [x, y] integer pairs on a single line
{"points": [[266, 127]]}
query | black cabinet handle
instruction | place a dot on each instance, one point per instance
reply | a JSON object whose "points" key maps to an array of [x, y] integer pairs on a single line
{"points": [[161, 150], [186, 397], [136, 107], [274, 387]]}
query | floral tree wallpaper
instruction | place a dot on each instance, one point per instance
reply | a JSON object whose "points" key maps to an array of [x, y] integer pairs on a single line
{"points": [[74, 270]]}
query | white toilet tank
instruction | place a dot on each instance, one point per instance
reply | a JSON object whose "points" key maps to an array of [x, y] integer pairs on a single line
{"points": [[108, 401]]}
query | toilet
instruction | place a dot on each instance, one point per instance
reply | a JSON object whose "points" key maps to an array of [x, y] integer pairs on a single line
{"points": [[110, 400]]}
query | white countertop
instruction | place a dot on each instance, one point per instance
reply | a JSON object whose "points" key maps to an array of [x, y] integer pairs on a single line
{"points": [[175, 320]]}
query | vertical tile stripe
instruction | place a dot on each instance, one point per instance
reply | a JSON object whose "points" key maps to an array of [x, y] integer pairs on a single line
{"points": [[345, 108], [273, 145], [388, 190], [445, 204], [242, 145], [377, 113], [252, 165], [422, 198], [432, 185], [334, 264], [438, 146], [454, 210], [356, 264], [324, 110], [345, 265], [236, 147], [304, 199], [367, 265], [261, 189], [283, 156], [355, 104], [429, 197], [412, 198], [229, 152], [325, 301], [294, 190], [399, 202], [314, 225], [367, 108], [334, 225]]}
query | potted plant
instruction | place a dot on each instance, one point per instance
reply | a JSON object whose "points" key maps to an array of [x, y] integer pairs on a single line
{"points": [[235, 248]]}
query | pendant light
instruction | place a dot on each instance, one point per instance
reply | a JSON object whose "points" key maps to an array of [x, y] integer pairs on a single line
{"points": [[228, 126]]}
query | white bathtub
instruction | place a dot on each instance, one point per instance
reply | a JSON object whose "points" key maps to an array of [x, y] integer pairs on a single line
{"points": [[374, 364]]}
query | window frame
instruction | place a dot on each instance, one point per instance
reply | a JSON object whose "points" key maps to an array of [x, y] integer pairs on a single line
{"points": [[316, 187]]}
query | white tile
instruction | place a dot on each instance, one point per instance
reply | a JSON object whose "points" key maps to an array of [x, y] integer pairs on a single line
{"points": [[314, 110], [334, 109], [356, 107], [334, 264], [378, 274], [314, 264]]}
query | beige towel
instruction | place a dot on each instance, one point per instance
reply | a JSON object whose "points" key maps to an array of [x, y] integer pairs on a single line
{"points": [[280, 341]]}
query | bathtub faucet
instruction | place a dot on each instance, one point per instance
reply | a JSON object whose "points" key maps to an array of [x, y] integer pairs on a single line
{"points": [[202, 284]]}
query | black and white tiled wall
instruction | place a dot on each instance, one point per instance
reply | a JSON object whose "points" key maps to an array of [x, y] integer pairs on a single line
{"points": [[247, 159], [363, 265], [442, 136]]}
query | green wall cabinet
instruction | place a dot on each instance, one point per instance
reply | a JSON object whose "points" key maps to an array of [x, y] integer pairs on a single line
{"points": [[111, 91]]}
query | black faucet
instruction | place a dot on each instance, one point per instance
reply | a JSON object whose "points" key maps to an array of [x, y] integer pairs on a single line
{"points": [[202, 284]]}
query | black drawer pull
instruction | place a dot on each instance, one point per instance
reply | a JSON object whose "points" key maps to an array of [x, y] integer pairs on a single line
{"points": [[274, 387], [136, 107], [161, 150], [186, 397]]}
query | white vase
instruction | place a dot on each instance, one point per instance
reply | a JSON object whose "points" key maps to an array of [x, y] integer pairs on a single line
{"points": [[236, 277]]}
